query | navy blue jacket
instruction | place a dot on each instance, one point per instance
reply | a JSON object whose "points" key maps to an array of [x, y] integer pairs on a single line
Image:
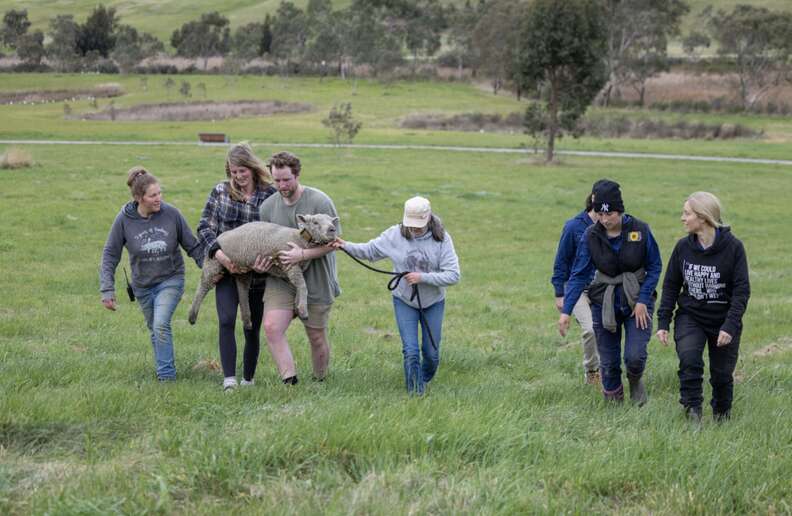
{"points": [[567, 249], [583, 272]]}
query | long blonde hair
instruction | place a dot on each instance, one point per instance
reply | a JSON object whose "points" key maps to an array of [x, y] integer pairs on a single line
{"points": [[707, 207], [241, 155]]}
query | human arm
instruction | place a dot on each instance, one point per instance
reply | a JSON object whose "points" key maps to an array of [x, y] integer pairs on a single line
{"points": [[448, 266], [111, 255], [653, 267], [672, 285], [582, 273], [741, 291], [564, 259], [209, 224], [188, 242]]}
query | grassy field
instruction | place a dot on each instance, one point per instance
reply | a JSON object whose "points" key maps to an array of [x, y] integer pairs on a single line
{"points": [[507, 427], [380, 107]]}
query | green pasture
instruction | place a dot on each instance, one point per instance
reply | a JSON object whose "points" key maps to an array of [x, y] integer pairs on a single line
{"points": [[506, 427], [380, 106]]}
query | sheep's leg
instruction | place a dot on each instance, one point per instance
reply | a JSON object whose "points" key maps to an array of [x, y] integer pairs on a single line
{"points": [[243, 290], [295, 277], [210, 275]]}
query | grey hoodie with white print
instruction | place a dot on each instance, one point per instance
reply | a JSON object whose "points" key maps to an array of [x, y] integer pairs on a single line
{"points": [[152, 244], [436, 261]]}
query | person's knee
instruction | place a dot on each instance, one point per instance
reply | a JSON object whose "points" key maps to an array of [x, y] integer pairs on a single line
{"points": [[273, 328], [161, 327]]}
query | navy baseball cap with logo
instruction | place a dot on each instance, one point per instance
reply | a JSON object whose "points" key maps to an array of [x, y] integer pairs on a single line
{"points": [[606, 196]]}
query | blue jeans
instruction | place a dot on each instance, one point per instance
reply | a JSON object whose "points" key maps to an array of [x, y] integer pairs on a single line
{"points": [[609, 347], [158, 304], [420, 363]]}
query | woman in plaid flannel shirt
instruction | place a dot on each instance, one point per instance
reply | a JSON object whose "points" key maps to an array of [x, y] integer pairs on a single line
{"points": [[232, 203]]}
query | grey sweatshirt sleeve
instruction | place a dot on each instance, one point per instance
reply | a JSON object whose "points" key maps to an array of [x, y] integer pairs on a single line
{"points": [[449, 273], [189, 243], [372, 251], [111, 255]]}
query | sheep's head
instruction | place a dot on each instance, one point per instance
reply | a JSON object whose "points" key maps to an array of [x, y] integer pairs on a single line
{"points": [[321, 227]]}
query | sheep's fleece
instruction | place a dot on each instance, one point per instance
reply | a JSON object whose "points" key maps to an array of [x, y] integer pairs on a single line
{"points": [[243, 244]]}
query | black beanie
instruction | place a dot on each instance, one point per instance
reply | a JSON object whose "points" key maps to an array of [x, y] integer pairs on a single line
{"points": [[606, 196]]}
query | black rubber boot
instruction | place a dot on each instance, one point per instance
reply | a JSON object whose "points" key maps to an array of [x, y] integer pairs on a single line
{"points": [[693, 414], [637, 390]]}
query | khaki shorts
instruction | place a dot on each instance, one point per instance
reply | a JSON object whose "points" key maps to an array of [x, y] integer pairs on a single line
{"points": [[279, 295]]}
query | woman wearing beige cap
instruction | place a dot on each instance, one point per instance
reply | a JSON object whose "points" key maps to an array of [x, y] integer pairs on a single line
{"points": [[422, 249]]}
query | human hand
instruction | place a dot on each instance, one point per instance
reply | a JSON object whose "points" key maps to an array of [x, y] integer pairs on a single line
{"points": [[413, 278], [559, 302], [110, 303], [662, 336], [641, 314], [292, 256], [226, 262], [262, 264], [724, 339], [337, 244], [563, 324]]}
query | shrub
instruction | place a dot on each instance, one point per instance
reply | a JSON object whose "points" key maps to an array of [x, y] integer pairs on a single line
{"points": [[342, 124], [15, 157]]}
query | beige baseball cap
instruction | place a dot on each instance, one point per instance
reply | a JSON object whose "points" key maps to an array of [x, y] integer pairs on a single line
{"points": [[417, 211]]}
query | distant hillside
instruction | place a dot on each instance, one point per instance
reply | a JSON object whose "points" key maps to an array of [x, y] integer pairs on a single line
{"points": [[162, 17], [159, 18]]}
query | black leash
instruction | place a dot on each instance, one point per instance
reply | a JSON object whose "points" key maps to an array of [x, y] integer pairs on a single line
{"points": [[393, 284]]}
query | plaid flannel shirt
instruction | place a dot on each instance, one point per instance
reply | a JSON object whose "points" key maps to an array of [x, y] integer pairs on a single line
{"points": [[222, 213]]}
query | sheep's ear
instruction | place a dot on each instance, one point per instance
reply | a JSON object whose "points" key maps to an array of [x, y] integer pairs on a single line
{"points": [[300, 221], [336, 221]]}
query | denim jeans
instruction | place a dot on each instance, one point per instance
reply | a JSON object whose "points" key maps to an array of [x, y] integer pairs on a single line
{"points": [[691, 338], [420, 363], [158, 304], [609, 347]]}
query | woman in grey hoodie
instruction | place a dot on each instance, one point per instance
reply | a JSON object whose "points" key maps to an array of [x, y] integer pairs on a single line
{"points": [[152, 231], [421, 248]]}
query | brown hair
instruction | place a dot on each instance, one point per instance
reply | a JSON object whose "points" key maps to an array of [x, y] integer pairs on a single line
{"points": [[435, 226], [138, 181], [241, 155], [707, 207], [285, 159]]}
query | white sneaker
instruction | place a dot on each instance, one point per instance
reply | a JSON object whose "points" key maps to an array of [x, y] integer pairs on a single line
{"points": [[247, 382], [229, 383]]}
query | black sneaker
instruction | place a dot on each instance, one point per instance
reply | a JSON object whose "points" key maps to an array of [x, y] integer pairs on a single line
{"points": [[292, 380]]}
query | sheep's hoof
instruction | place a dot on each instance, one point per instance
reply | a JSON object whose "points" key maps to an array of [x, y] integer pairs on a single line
{"points": [[302, 313], [248, 325]]}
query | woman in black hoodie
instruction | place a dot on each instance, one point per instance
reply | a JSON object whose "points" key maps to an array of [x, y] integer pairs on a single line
{"points": [[707, 281]]}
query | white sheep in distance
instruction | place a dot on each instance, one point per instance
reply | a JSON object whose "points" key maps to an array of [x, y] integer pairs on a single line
{"points": [[243, 244]]}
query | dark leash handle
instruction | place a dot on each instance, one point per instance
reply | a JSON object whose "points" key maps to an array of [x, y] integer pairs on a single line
{"points": [[393, 284]]}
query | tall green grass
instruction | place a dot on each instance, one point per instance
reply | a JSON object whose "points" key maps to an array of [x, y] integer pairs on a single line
{"points": [[506, 427]]}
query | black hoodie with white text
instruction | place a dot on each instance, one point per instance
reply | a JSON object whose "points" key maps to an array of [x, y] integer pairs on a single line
{"points": [[710, 285]]}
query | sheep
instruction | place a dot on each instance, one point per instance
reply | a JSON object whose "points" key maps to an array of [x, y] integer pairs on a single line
{"points": [[243, 244]]}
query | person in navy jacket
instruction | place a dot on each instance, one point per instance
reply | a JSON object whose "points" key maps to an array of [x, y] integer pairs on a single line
{"points": [[562, 268], [619, 261], [707, 282]]}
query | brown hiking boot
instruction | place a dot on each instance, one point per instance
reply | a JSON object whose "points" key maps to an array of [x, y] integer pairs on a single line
{"points": [[593, 378]]}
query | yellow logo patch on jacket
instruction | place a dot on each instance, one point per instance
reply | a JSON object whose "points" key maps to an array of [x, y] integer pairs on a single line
{"points": [[634, 236]]}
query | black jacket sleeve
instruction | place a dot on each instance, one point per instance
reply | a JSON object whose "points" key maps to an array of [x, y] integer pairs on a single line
{"points": [[672, 284], [741, 291]]}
